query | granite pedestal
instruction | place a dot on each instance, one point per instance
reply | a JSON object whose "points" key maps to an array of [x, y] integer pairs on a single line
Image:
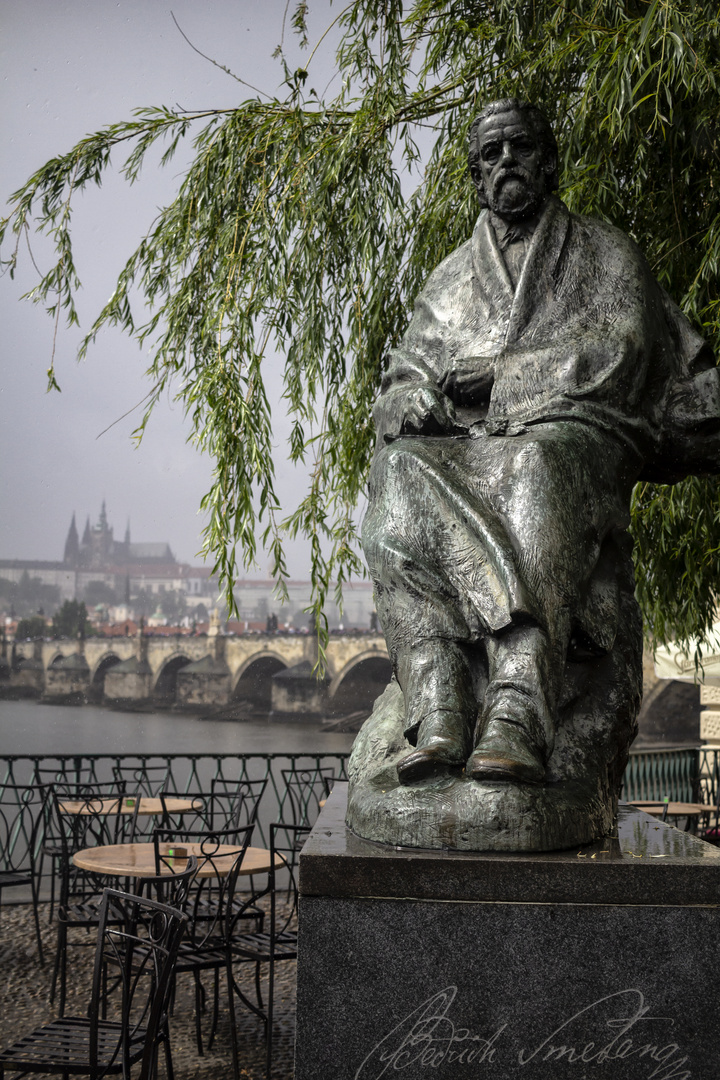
{"points": [[598, 962]]}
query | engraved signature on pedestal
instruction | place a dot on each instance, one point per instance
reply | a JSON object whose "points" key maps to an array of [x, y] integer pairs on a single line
{"points": [[574, 1048], [427, 1038]]}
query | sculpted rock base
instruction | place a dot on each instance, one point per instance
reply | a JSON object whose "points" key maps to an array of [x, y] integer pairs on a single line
{"points": [[576, 804]]}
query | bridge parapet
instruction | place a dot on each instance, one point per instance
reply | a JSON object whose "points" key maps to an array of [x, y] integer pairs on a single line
{"points": [[159, 660]]}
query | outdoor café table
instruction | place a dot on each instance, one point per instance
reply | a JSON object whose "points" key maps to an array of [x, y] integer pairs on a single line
{"points": [[173, 804], [691, 811], [138, 860]]}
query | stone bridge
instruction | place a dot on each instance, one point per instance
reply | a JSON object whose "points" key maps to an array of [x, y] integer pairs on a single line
{"points": [[207, 670]]}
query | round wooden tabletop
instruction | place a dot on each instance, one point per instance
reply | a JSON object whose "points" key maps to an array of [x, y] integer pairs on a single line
{"points": [[138, 860], [677, 809], [173, 804]]}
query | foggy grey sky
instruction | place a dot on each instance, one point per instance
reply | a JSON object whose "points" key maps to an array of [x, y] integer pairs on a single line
{"points": [[70, 67]]}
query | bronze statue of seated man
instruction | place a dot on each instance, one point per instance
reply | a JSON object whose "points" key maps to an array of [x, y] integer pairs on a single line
{"points": [[544, 372]]}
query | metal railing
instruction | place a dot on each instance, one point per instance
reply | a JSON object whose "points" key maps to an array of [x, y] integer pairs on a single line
{"points": [[684, 774], [187, 773]]}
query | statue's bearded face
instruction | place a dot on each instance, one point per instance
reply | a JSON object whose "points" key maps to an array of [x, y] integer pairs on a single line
{"points": [[511, 169]]}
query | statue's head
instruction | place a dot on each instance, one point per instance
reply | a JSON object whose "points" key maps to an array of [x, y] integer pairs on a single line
{"points": [[513, 158]]}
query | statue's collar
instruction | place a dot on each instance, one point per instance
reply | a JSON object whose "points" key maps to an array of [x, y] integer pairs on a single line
{"points": [[536, 284], [510, 232]]}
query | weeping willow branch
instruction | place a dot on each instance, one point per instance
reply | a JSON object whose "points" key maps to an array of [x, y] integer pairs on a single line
{"points": [[290, 232]]}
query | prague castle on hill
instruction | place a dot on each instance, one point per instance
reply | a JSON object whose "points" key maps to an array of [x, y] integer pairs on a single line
{"points": [[96, 567], [121, 566], [98, 548]]}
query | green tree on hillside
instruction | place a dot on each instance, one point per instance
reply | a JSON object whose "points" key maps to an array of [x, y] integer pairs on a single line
{"points": [[97, 592], [291, 228], [28, 595], [71, 620], [34, 628]]}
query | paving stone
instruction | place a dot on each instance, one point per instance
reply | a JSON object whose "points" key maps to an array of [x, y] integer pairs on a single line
{"points": [[25, 1005]]}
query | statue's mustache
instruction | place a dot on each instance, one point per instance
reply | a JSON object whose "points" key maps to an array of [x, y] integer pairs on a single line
{"points": [[515, 173]]}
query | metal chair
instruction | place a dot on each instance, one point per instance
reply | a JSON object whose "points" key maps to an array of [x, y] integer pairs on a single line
{"points": [[208, 906], [143, 779], [77, 823], [142, 938], [304, 791], [67, 772], [20, 824], [72, 790], [305, 788], [269, 947], [216, 809], [245, 795]]}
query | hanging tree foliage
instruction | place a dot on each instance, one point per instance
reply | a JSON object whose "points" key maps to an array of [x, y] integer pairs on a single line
{"points": [[291, 230]]}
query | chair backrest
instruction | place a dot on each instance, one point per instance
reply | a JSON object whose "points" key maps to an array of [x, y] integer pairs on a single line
{"points": [[222, 807], [220, 854], [208, 812], [66, 772], [172, 886], [244, 795], [143, 779], [20, 820], [140, 938], [304, 789], [286, 841], [81, 817]]}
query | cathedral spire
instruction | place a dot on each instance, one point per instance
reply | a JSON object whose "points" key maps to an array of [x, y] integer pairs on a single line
{"points": [[72, 544]]}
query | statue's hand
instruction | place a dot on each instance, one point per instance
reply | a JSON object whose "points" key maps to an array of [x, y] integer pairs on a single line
{"points": [[428, 412], [468, 380]]}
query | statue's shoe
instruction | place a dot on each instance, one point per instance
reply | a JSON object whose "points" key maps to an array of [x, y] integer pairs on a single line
{"points": [[436, 757], [505, 752]]}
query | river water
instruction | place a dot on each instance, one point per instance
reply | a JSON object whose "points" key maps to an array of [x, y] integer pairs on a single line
{"points": [[29, 727]]}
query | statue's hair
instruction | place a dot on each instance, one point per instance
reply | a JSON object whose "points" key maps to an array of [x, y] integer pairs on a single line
{"points": [[541, 129]]}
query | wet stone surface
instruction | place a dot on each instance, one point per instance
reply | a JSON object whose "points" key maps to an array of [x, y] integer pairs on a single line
{"points": [[645, 861], [25, 1004], [587, 963]]}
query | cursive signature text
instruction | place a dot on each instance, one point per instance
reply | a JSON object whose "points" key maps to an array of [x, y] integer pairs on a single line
{"points": [[427, 1038], [568, 1043], [608, 1031]]}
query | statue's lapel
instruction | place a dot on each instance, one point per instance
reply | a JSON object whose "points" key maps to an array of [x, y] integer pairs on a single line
{"points": [[536, 287], [491, 272]]}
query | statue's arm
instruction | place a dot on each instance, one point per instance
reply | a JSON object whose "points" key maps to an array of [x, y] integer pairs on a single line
{"points": [[412, 403], [412, 400], [468, 380]]}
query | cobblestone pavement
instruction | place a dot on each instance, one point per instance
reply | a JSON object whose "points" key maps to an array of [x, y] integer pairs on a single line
{"points": [[25, 993]]}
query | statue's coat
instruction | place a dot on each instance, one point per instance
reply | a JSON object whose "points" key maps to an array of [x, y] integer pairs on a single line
{"points": [[598, 380]]}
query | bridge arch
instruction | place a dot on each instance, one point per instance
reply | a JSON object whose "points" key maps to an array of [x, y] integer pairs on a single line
{"points": [[253, 679], [362, 680], [57, 659], [96, 689], [165, 686]]}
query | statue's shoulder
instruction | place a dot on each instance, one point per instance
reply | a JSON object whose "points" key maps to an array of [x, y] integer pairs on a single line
{"points": [[452, 273], [605, 238]]}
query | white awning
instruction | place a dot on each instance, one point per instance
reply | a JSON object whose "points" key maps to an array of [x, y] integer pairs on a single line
{"points": [[671, 662]]}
